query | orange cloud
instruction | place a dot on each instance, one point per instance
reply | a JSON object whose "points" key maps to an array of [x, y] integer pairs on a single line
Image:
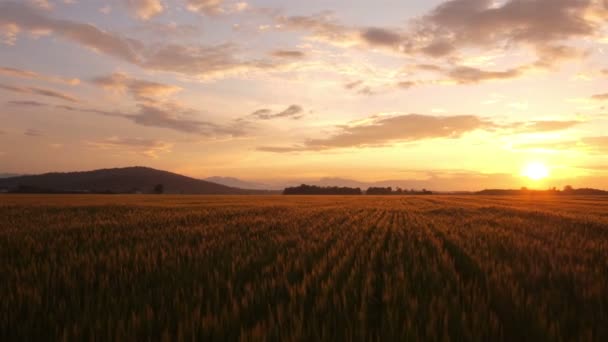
{"points": [[39, 91], [292, 112], [149, 147], [141, 90], [600, 97], [380, 130], [288, 54], [209, 7], [145, 9], [14, 72]]}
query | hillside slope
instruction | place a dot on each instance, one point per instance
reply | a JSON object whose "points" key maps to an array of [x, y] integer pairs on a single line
{"points": [[119, 180]]}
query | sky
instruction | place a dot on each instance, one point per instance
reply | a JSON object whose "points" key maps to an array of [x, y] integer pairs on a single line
{"points": [[461, 94]]}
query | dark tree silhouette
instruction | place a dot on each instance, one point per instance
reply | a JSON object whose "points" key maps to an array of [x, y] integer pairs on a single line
{"points": [[159, 189], [317, 190], [389, 191]]}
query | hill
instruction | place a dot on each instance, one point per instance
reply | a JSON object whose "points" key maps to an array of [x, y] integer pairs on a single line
{"points": [[119, 180], [8, 175]]}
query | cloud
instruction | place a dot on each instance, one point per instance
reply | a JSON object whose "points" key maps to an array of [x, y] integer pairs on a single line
{"points": [[542, 126], [360, 87], [406, 84], [438, 48], [323, 27], [154, 116], [168, 116], [44, 4], [209, 7], [353, 85], [28, 103], [593, 145], [154, 110], [149, 147], [141, 90], [381, 37], [107, 9], [33, 133], [87, 35], [428, 67], [483, 23], [28, 74], [169, 30], [293, 112], [8, 33], [145, 9], [289, 54], [597, 144], [547, 27], [190, 60], [465, 75], [39, 91], [381, 130], [600, 97], [210, 61], [546, 126]]}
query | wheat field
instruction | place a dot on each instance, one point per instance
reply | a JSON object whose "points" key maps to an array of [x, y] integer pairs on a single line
{"points": [[323, 268]]}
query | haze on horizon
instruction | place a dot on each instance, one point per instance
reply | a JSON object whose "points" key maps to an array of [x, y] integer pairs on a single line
{"points": [[469, 94]]}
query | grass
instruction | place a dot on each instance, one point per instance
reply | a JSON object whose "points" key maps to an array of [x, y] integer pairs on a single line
{"points": [[303, 268]]}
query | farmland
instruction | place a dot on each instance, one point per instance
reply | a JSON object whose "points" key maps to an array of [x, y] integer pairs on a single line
{"points": [[303, 268]]}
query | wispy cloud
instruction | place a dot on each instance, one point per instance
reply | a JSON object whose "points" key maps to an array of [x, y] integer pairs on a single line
{"points": [[33, 133], [381, 130], [209, 7], [600, 97], [39, 91], [190, 60], [141, 90], [168, 116], [145, 9], [292, 112], [28, 74], [151, 148], [27, 103], [465, 75], [295, 54]]}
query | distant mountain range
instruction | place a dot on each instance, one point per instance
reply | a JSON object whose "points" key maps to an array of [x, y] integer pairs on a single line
{"points": [[241, 184], [120, 180], [322, 182]]}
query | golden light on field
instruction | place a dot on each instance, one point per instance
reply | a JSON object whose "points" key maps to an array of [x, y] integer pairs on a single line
{"points": [[536, 171]]}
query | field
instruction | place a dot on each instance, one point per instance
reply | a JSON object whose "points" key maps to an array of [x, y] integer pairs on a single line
{"points": [[303, 268]]}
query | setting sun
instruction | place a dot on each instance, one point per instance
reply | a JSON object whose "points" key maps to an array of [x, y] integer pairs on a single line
{"points": [[536, 171]]}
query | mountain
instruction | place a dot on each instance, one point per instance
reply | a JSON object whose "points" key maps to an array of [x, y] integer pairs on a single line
{"points": [[241, 184], [120, 180], [8, 175]]}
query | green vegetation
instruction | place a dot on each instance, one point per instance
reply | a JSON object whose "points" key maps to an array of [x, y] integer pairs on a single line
{"points": [[303, 268]]}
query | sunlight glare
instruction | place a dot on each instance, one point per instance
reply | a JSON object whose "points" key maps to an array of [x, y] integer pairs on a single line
{"points": [[536, 171]]}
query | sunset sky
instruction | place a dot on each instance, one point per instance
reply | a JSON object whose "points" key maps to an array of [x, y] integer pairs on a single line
{"points": [[465, 94]]}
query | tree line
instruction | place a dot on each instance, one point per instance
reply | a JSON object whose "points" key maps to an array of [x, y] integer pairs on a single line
{"points": [[305, 189]]}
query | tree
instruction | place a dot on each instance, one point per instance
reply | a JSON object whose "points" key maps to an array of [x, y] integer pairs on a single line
{"points": [[159, 189]]}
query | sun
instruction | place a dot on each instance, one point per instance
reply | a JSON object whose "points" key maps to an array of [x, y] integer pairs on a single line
{"points": [[536, 171]]}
